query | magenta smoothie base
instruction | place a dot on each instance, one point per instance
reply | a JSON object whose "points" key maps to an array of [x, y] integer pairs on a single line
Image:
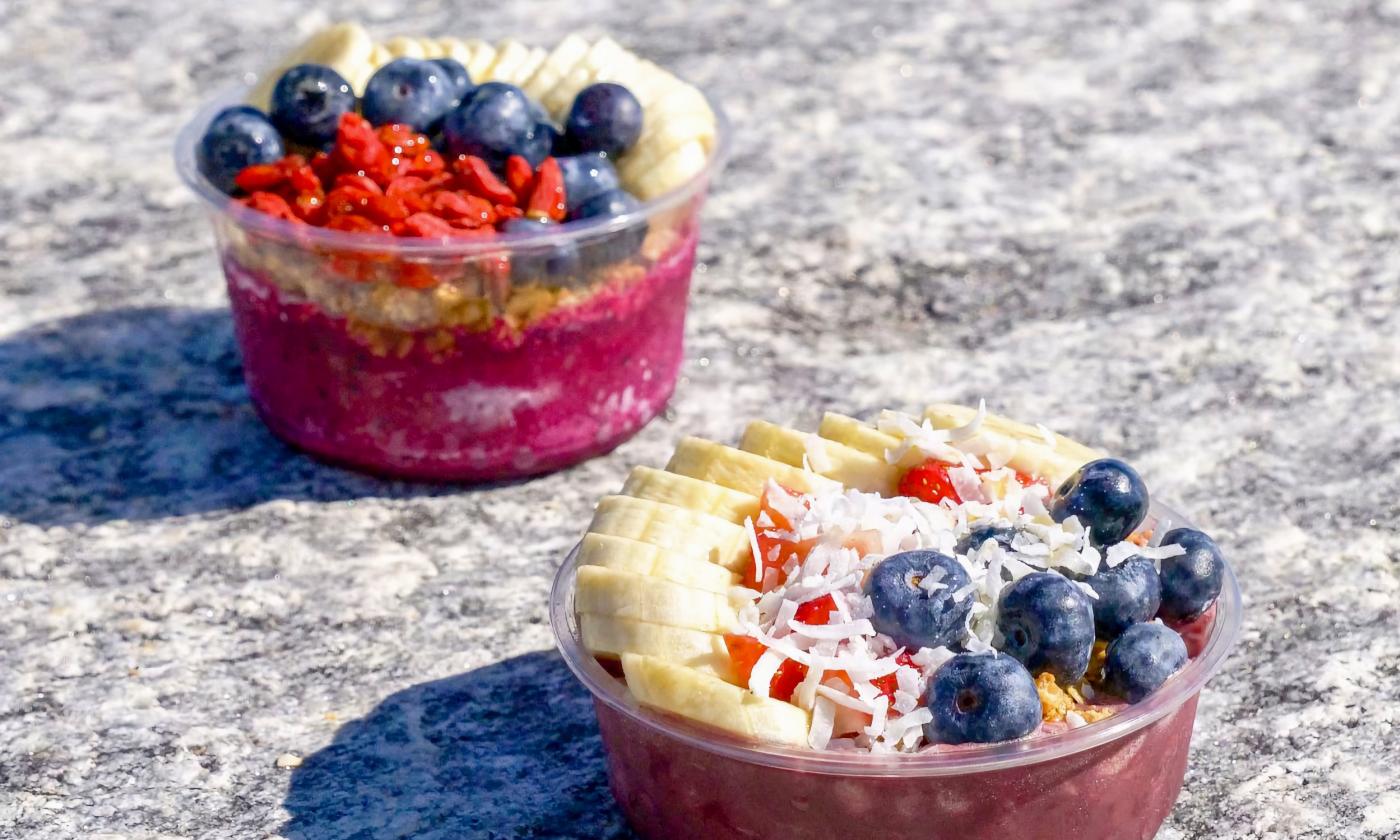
{"points": [[495, 404]]}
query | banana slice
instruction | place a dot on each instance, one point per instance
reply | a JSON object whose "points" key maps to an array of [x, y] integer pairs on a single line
{"points": [[1030, 456], [483, 56], [649, 83], [343, 47], [609, 637], [530, 65], [740, 470], [686, 532], [510, 54], [380, 56], [432, 47], [949, 415], [458, 49], [559, 98], [855, 434], [637, 597], [641, 558], [837, 461], [687, 692], [692, 493], [674, 170], [402, 46], [559, 62]]}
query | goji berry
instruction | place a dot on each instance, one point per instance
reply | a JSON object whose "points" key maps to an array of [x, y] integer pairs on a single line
{"points": [[347, 200], [354, 180], [304, 179], [460, 205], [324, 166], [504, 212], [478, 178], [547, 200], [260, 176], [310, 205], [426, 224], [354, 224], [424, 163], [272, 204], [520, 177], [415, 275], [400, 137]]}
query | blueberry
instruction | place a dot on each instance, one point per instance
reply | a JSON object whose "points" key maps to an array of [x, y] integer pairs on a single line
{"points": [[307, 103], [605, 117], [459, 81], [1190, 581], [1047, 623], [981, 698], [1107, 495], [913, 616], [974, 539], [585, 177], [1129, 594], [412, 91], [237, 137], [560, 260], [493, 123], [613, 246], [1141, 659]]}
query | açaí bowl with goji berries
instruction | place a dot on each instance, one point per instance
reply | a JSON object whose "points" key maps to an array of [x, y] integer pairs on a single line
{"points": [[1114, 777], [398, 310]]}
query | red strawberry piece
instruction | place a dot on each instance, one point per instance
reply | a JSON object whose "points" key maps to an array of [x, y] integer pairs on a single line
{"points": [[817, 611], [547, 200], [478, 178], [272, 204], [426, 224], [520, 177], [929, 481]]}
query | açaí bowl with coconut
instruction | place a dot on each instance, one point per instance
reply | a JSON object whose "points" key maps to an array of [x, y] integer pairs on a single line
{"points": [[456, 260], [955, 626]]}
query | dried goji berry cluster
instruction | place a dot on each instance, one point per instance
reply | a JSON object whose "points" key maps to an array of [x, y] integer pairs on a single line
{"points": [[391, 180]]}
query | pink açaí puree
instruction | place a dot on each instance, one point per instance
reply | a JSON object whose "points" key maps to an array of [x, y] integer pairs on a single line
{"points": [[490, 404]]}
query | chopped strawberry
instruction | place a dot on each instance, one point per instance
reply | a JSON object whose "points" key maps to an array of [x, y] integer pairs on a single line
{"points": [[774, 549], [744, 653], [930, 482], [816, 611], [888, 684]]}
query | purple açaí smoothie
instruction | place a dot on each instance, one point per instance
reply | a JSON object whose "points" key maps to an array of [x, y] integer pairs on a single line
{"points": [[461, 404]]}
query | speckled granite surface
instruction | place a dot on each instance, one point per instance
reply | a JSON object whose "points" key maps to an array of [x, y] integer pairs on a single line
{"points": [[1169, 228]]}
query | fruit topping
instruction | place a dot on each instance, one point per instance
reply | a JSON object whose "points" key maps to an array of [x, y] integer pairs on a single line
{"points": [[494, 123], [459, 81], [1046, 622], [1001, 535], [585, 176], [307, 103], [981, 698], [1141, 659], [930, 482], [237, 138], [919, 598], [412, 91], [1108, 497], [1190, 581], [1128, 594], [605, 117]]}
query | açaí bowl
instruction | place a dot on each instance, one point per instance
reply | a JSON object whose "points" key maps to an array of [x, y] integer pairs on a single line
{"points": [[493, 371], [1113, 780]]}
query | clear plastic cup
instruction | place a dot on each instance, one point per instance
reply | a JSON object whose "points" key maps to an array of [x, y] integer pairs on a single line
{"points": [[1116, 779], [467, 360]]}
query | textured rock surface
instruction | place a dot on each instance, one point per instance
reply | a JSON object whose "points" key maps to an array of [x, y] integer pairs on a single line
{"points": [[1167, 228]]}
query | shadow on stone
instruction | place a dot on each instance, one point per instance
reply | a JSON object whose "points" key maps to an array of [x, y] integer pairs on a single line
{"points": [[508, 750], [140, 413]]}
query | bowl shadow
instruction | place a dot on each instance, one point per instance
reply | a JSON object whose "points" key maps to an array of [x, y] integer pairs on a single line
{"points": [[507, 750], [141, 413]]}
